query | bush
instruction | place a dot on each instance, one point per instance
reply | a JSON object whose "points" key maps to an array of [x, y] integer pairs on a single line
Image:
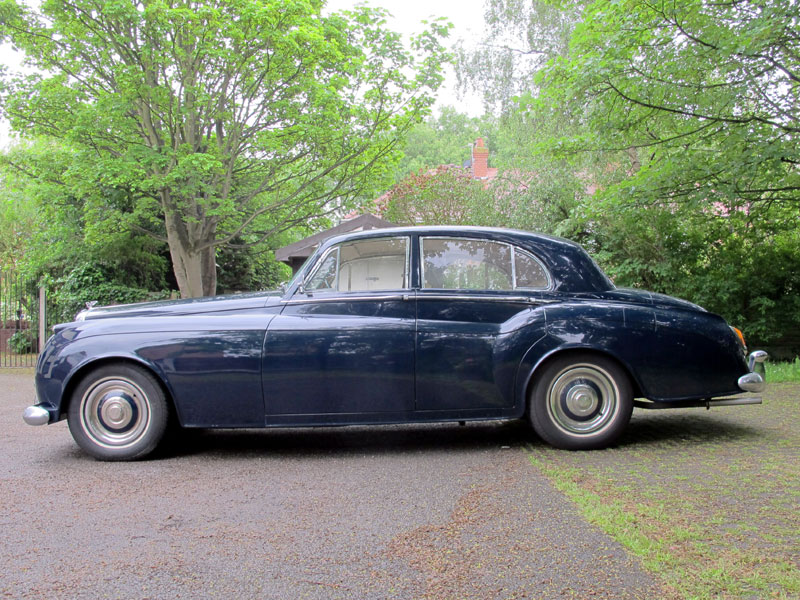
{"points": [[89, 282], [22, 343]]}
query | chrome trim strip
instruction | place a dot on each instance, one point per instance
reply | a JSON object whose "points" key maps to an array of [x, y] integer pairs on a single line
{"points": [[348, 299], [36, 415], [707, 404], [527, 299]]}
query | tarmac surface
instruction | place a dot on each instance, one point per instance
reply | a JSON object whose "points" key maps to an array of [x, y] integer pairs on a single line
{"points": [[421, 511]]}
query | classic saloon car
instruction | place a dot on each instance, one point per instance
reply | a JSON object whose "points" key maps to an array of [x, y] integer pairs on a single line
{"points": [[396, 325]]}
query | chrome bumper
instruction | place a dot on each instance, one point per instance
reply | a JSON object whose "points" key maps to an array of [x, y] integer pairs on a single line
{"points": [[756, 380], [36, 415]]}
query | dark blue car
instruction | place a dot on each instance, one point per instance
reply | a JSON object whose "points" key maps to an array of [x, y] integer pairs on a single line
{"points": [[401, 325]]}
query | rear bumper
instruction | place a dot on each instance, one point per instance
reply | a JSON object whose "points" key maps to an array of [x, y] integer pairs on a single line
{"points": [[754, 382]]}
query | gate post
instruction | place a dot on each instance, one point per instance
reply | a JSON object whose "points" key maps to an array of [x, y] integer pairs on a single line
{"points": [[42, 318]]}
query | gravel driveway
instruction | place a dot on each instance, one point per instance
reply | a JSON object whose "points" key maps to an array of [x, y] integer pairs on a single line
{"points": [[436, 511]]}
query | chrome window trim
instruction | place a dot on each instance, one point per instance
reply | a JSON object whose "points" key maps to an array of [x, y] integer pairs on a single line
{"points": [[423, 295], [337, 247], [343, 297], [513, 248]]}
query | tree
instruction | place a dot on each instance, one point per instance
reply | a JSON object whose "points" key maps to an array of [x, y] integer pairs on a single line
{"points": [[698, 99], [521, 37], [219, 121]]}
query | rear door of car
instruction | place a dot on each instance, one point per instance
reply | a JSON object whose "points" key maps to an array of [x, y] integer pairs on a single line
{"points": [[342, 349], [472, 292]]}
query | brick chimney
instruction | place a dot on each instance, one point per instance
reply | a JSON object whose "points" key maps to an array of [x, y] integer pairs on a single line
{"points": [[480, 160]]}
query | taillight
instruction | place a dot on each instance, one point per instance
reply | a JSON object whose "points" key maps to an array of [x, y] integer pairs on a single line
{"points": [[740, 335]]}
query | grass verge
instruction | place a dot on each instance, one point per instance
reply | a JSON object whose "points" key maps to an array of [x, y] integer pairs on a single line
{"points": [[707, 500], [784, 372]]}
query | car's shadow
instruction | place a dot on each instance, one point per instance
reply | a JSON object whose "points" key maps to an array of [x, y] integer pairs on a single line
{"points": [[645, 431], [319, 441], [689, 427]]}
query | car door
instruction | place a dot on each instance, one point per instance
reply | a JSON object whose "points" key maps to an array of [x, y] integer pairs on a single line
{"points": [[468, 349], [342, 349]]}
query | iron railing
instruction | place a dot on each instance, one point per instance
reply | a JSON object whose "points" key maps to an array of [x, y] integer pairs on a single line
{"points": [[23, 320]]}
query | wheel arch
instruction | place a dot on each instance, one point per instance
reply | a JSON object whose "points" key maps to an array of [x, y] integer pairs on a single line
{"points": [[83, 370], [558, 353]]}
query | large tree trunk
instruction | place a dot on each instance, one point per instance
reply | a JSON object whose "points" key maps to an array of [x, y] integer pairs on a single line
{"points": [[195, 270]]}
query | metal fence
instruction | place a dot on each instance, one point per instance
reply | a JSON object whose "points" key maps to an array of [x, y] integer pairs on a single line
{"points": [[23, 320]]}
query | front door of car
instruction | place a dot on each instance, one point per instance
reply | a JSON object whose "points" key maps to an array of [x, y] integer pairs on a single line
{"points": [[472, 291], [343, 346]]}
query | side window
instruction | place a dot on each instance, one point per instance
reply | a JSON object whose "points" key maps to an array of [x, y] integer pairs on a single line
{"points": [[469, 264], [466, 264], [529, 272], [373, 264]]}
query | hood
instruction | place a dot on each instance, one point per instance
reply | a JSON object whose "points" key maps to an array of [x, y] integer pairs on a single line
{"points": [[191, 306]]}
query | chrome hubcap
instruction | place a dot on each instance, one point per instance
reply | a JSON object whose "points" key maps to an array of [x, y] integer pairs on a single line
{"points": [[583, 399], [115, 412]]}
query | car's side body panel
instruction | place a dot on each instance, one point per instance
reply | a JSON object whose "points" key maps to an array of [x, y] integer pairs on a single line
{"points": [[350, 354], [468, 350], [210, 364]]}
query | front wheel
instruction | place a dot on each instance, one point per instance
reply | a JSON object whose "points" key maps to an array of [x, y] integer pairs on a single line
{"points": [[580, 402], [118, 412]]}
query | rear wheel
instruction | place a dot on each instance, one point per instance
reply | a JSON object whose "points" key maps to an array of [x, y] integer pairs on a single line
{"points": [[580, 402], [118, 412]]}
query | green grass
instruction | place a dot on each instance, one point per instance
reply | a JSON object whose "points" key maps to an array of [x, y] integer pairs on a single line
{"points": [[782, 372], [706, 500]]}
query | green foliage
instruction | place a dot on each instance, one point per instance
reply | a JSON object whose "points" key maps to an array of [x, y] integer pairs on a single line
{"points": [[740, 265], [21, 343], [697, 101], [205, 122], [784, 372], [245, 269], [521, 36], [92, 283], [441, 196]]}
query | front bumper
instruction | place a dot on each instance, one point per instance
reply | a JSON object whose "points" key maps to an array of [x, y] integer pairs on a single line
{"points": [[36, 415]]}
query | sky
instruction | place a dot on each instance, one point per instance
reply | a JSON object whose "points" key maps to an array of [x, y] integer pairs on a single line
{"points": [[465, 15]]}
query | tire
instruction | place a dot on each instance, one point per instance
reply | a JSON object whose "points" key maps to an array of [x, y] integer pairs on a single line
{"points": [[580, 402], [118, 412]]}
